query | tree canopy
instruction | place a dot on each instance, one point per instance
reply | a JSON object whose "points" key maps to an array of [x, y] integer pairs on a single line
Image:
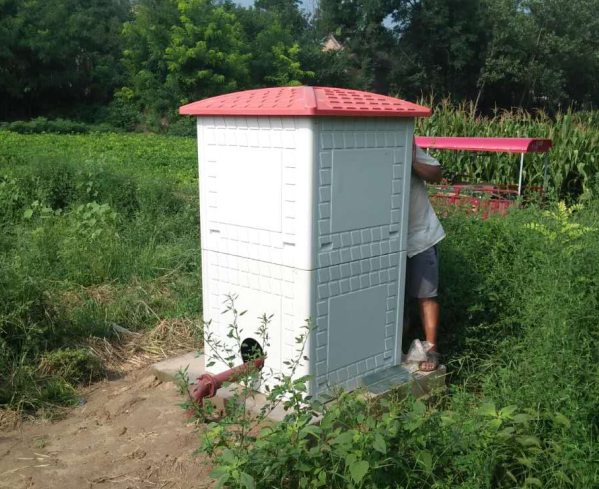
{"points": [[57, 54], [76, 56]]}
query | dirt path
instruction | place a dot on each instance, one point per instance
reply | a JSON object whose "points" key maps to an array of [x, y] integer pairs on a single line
{"points": [[129, 434]]}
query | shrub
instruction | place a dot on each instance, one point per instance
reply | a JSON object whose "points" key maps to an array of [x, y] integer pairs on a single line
{"points": [[183, 126], [124, 110], [91, 229], [74, 365], [460, 440], [42, 125]]}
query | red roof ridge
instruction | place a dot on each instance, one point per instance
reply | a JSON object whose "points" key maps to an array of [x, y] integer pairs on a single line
{"points": [[310, 98]]}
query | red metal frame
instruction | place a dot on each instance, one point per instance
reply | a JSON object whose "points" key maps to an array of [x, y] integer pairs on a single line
{"points": [[486, 199], [474, 199]]}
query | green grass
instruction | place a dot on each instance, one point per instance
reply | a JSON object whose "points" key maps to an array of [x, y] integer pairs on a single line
{"points": [[519, 303], [102, 229], [95, 230]]}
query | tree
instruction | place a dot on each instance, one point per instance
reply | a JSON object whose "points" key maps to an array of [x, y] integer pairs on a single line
{"points": [[506, 53], [59, 54], [205, 56], [542, 53], [289, 13], [441, 44], [178, 51], [359, 26], [275, 52]]}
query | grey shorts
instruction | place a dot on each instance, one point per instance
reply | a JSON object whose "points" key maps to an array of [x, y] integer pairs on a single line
{"points": [[422, 274]]}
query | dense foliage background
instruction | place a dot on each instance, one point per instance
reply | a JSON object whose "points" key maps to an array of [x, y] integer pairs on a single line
{"points": [[99, 228], [99, 232], [147, 57]]}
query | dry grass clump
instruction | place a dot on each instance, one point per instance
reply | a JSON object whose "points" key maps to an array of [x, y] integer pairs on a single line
{"points": [[9, 419], [125, 352], [134, 350]]}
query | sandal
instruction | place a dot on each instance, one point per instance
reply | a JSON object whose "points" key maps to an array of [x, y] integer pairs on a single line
{"points": [[432, 357]]}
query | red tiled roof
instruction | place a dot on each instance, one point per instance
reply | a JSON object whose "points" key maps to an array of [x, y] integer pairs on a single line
{"points": [[305, 101]]}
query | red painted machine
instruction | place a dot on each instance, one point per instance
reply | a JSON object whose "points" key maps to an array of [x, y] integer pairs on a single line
{"points": [[486, 198]]}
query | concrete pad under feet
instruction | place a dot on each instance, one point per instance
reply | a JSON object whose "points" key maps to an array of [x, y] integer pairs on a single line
{"points": [[402, 381]]}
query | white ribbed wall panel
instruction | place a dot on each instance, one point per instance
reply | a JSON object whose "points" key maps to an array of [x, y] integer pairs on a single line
{"points": [[307, 218]]}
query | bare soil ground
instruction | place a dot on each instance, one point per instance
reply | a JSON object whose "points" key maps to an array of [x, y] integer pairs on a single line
{"points": [[128, 434]]}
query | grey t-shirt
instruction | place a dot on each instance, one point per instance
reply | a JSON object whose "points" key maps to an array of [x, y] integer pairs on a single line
{"points": [[424, 228]]}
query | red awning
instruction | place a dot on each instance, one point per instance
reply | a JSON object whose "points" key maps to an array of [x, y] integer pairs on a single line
{"points": [[499, 145]]}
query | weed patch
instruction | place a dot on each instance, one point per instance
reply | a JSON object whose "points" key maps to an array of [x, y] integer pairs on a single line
{"points": [[93, 237]]}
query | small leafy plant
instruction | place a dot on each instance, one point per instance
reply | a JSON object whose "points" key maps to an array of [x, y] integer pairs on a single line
{"points": [[230, 437], [559, 229], [356, 442]]}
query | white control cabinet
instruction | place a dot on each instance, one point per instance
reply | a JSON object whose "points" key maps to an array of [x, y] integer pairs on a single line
{"points": [[305, 216]]}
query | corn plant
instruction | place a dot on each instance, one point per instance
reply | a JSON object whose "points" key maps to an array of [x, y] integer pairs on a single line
{"points": [[573, 159]]}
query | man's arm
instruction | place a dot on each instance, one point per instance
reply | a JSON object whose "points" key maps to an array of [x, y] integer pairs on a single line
{"points": [[428, 172]]}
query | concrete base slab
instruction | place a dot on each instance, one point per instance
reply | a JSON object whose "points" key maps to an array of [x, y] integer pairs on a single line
{"points": [[254, 404], [169, 368], [399, 381], [402, 381]]}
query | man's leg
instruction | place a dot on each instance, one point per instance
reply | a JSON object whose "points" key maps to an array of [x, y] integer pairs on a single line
{"points": [[422, 283], [429, 315]]}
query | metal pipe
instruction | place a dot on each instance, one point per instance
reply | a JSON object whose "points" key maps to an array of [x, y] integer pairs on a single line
{"points": [[208, 384], [520, 177]]}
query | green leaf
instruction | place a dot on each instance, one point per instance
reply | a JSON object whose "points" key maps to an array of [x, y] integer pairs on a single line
{"points": [[533, 481], [487, 409], [311, 430], [228, 456], [419, 407], [28, 213], [344, 438], [495, 424], [359, 470], [425, 458], [522, 418], [247, 481], [351, 459], [506, 432], [221, 481], [218, 472], [529, 440], [221, 475], [379, 444], [322, 478], [507, 411]]}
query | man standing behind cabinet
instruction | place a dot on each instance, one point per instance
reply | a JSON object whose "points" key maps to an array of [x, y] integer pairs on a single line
{"points": [[422, 267]]}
